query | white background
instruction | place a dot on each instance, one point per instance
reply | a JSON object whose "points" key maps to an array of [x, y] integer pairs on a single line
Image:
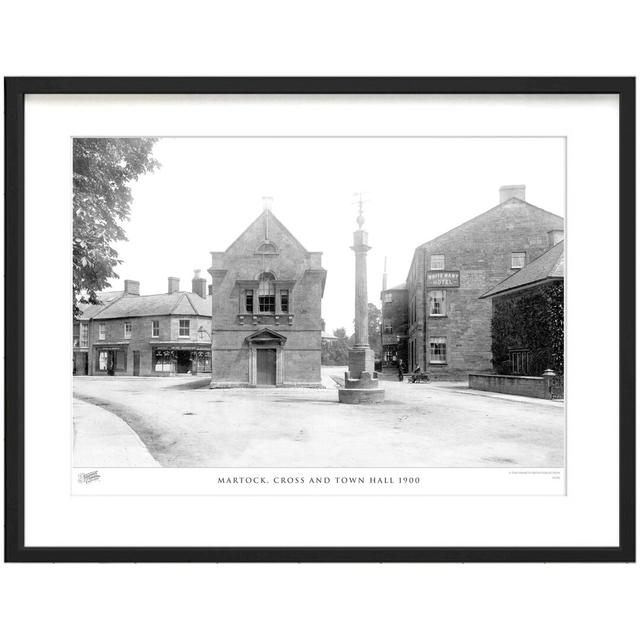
{"points": [[491, 38]]}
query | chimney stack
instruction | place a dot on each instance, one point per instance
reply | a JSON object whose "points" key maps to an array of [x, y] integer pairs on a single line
{"points": [[198, 284], [384, 275], [131, 288], [174, 285], [555, 236], [512, 191]]}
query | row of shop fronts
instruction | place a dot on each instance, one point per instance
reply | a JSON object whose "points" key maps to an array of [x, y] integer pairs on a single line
{"points": [[163, 360], [127, 334]]}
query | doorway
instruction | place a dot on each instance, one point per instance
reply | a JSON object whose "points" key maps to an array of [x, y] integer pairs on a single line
{"points": [[136, 363], [183, 361], [266, 365], [111, 363], [81, 364]]}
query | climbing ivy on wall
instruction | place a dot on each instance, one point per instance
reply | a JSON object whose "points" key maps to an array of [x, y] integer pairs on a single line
{"points": [[534, 320]]}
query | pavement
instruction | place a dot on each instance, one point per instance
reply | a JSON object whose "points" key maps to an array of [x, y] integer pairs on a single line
{"points": [[180, 422], [101, 439]]}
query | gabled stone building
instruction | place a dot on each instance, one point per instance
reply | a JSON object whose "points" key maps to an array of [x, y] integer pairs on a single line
{"points": [[267, 292], [449, 323]]}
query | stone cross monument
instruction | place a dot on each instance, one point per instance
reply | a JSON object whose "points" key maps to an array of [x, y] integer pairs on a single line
{"points": [[361, 381]]}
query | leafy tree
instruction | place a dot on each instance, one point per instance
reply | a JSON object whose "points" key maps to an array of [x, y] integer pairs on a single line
{"points": [[103, 169], [375, 320], [336, 352]]}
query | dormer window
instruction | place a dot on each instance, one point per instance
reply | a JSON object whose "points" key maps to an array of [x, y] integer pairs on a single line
{"points": [[266, 293], [517, 259]]}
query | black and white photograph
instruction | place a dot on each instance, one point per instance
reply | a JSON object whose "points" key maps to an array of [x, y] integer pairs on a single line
{"points": [[320, 320], [305, 302], [357, 315]]}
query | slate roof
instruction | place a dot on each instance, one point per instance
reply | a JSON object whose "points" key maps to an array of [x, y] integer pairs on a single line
{"points": [[88, 311], [398, 287], [494, 216], [182, 303], [549, 266]]}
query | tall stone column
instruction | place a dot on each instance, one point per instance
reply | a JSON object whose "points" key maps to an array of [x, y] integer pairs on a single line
{"points": [[361, 380]]}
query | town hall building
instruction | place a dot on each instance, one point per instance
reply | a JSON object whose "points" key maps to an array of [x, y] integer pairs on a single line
{"points": [[266, 309]]}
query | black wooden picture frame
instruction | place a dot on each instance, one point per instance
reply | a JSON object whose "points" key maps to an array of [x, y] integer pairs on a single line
{"points": [[15, 91]]}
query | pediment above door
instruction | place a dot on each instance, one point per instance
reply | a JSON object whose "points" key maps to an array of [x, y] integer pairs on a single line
{"points": [[266, 335]]}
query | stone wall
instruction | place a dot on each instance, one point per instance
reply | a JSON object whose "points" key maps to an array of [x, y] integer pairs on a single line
{"points": [[533, 387]]}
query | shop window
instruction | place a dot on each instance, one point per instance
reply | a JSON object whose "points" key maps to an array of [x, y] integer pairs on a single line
{"points": [[266, 293], [163, 360], [437, 303], [248, 300], [185, 328], [127, 330], [517, 259], [115, 359], [202, 361], [155, 328], [437, 350], [437, 263], [519, 361], [101, 331], [284, 300]]}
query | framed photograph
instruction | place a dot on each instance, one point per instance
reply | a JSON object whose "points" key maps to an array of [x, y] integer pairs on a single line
{"points": [[320, 319]]}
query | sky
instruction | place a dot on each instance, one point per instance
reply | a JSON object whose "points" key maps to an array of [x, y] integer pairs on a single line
{"points": [[208, 190]]}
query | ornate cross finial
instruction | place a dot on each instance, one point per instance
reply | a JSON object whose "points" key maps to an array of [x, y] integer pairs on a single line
{"points": [[359, 201], [267, 202]]}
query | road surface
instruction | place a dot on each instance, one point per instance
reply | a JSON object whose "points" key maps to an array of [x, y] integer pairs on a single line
{"points": [[183, 423]]}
